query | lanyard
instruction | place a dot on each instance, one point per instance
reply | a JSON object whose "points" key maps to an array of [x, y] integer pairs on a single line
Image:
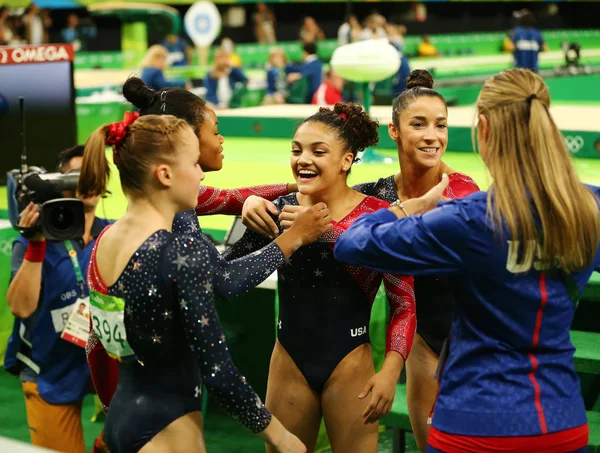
{"points": [[76, 268]]}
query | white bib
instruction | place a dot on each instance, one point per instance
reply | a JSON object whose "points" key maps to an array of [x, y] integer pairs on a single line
{"points": [[108, 313]]}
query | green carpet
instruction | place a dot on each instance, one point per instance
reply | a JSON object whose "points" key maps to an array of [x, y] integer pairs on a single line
{"points": [[222, 433], [253, 161]]}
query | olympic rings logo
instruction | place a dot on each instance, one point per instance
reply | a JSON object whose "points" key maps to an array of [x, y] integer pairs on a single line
{"points": [[574, 143], [6, 248]]}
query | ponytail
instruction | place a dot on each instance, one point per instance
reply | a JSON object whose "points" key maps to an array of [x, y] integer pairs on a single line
{"points": [[95, 169]]}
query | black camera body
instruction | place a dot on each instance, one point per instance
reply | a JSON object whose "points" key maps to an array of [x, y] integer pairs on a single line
{"points": [[60, 218]]}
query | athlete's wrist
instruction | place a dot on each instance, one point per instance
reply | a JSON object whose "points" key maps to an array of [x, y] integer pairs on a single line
{"points": [[273, 434], [288, 242], [393, 364]]}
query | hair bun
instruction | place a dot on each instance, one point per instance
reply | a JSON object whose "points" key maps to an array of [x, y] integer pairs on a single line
{"points": [[364, 131], [136, 92], [419, 78]]}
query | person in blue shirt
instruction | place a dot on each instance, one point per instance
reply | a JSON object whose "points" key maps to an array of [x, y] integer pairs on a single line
{"points": [[180, 52], [153, 70], [222, 80], [311, 68], [527, 41], [70, 34], [520, 254], [276, 85], [46, 287]]}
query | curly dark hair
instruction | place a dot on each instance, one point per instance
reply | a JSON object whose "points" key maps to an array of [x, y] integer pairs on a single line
{"points": [[355, 128]]}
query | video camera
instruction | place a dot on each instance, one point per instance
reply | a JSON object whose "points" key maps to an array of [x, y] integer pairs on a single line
{"points": [[60, 218]]}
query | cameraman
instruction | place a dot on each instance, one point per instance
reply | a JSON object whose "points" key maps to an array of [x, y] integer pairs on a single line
{"points": [[47, 287]]}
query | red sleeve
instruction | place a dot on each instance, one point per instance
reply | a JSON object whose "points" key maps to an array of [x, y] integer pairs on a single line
{"points": [[460, 186], [402, 324], [230, 201], [103, 369]]}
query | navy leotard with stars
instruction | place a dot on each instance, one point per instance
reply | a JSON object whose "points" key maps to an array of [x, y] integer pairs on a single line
{"points": [[174, 331], [232, 277]]}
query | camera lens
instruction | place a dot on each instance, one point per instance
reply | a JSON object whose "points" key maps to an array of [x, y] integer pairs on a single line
{"points": [[62, 218]]}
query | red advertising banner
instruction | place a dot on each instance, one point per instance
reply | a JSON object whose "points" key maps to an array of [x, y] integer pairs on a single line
{"points": [[44, 53]]}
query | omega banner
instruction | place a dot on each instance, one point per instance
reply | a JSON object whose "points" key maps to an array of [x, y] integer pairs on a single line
{"points": [[43, 76], [36, 54]]}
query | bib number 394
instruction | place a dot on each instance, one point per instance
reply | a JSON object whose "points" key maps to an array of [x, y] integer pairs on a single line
{"points": [[108, 315]]}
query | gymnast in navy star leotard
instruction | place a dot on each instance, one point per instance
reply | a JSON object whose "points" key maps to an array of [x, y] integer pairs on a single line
{"points": [[151, 293]]}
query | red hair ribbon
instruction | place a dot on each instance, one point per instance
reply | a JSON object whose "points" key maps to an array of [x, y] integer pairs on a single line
{"points": [[343, 116], [118, 131]]}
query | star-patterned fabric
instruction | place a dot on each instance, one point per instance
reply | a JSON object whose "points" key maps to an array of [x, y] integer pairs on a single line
{"points": [[327, 304], [171, 324], [232, 277], [435, 295]]}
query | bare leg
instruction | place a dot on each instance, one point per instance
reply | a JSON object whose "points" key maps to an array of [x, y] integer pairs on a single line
{"points": [[421, 388], [183, 435], [342, 409], [291, 400]]}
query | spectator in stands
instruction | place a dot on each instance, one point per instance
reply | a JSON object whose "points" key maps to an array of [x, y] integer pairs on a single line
{"points": [[311, 69], [276, 84], [349, 31], [310, 31], [47, 24], [6, 34], [527, 41], [507, 44], [47, 286], [426, 48], [70, 34], [34, 25], [15, 27], [228, 46], [396, 37], [373, 27], [222, 81], [180, 51], [264, 24], [153, 67], [330, 90]]}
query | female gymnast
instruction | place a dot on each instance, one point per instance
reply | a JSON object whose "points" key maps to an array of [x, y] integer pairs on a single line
{"points": [[520, 254], [151, 296], [322, 358], [230, 278], [419, 128]]}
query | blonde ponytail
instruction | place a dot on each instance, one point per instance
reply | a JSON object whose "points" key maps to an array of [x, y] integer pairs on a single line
{"points": [[535, 193]]}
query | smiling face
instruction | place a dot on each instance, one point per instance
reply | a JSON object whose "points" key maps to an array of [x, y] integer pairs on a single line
{"points": [[319, 160], [211, 143], [423, 133]]}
